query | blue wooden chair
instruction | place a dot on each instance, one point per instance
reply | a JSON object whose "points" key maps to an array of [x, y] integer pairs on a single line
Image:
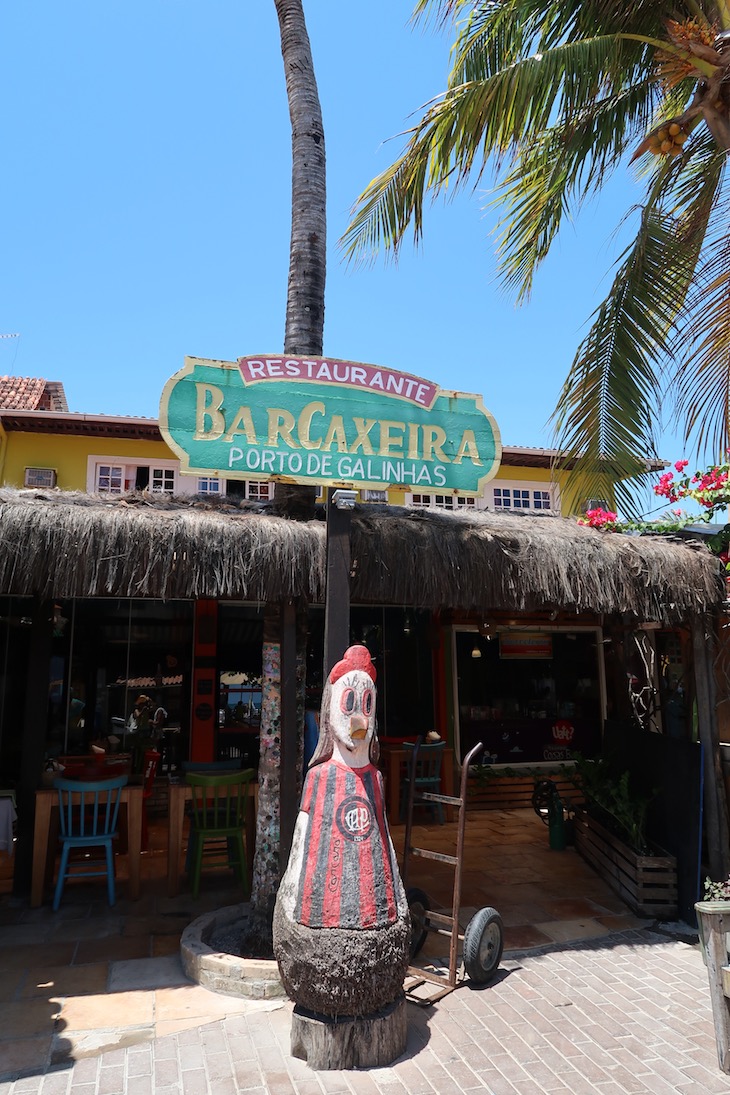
{"points": [[217, 824], [427, 776], [88, 814]]}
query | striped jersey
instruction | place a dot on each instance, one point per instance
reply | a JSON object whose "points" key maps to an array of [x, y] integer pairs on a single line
{"points": [[347, 878]]}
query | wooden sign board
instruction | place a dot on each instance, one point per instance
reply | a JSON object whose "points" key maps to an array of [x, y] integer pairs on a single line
{"points": [[334, 423]]}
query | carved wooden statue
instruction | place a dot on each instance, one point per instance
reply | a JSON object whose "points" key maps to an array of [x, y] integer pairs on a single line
{"points": [[341, 923]]}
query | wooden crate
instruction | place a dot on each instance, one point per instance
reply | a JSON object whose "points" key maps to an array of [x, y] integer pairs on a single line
{"points": [[647, 883], [514, 792]]}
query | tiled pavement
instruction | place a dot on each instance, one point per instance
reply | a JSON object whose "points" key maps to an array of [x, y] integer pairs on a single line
{"points": [[628, 1013], [588, 999]]}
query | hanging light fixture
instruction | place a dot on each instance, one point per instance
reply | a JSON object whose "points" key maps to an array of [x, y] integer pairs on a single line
{"points": [[476, 650]]}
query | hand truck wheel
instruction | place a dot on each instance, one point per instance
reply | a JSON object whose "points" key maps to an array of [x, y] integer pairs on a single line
{"points": [[418, 907], [483, 945]]}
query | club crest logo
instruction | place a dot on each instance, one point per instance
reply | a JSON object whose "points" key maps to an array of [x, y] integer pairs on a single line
{"points": [[355, 819]]}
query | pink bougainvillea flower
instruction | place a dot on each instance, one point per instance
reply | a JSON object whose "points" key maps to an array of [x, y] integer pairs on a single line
{"points": [[599, 518]]}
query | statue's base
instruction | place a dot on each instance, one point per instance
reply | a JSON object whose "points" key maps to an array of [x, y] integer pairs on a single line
{"points": [[364, 1041]]}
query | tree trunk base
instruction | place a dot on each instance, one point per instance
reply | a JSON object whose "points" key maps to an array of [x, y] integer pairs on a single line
{"points": [[365, 1041]]}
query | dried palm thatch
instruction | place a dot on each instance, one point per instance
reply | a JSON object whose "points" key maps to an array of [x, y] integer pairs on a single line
{"points": [[478, 561], [56, 544]]}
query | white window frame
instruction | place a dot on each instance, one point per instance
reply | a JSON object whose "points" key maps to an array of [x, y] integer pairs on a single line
{"points": [[129, 465], [113, 473], [532, 487], [438, 500], [205, 484], [258, 490], [163, 474]]}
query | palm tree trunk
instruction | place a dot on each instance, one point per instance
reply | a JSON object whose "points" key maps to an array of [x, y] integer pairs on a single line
{"points": [[303, 336], [307, 249]]}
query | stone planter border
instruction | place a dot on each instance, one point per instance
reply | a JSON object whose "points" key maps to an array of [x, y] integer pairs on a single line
{"points": [[229, 974]]}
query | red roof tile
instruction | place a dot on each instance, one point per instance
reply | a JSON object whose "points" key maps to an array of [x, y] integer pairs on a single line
{"points": [[25, 393]]}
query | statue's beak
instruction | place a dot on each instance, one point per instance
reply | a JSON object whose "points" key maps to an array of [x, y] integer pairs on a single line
{"points": [[358, 727]]}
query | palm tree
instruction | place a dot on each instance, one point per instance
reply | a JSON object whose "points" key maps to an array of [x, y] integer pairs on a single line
{"points": [[556, 96], [303, 335]]}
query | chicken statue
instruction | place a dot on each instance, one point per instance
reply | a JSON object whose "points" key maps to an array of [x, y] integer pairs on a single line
{"points": [[341, 922]]}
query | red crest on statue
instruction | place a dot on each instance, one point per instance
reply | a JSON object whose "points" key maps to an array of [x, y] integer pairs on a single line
{"points": [[355, 657]]}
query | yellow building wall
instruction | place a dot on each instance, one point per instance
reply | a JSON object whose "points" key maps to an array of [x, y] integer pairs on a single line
{"points": [[68, 455]]}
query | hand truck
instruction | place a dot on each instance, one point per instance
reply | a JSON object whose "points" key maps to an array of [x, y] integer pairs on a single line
{"points": [[483, 938]]}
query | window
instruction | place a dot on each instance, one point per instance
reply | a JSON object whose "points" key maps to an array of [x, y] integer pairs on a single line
{"points": [[110, 478], [256, 490], [441, 501], [162, 480], [527, 497], [209, 485], [259, 491], [511, 498], [374, 495], [116, 475]]}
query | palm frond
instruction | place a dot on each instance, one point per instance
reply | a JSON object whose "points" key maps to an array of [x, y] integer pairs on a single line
{"points": [[607, 413], [553, 176], [701, 384], [468, 125], [439, 11]]}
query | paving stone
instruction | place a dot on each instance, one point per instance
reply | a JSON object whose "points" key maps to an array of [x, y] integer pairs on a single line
{"points": [[146, 973]]}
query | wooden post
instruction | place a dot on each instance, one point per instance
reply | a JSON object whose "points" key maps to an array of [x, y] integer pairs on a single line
{"points": [[35, 723], [713, 918], [715, 799], [368, 1041], [288, 784], [204, 710], [337, 596], [619, 632]]}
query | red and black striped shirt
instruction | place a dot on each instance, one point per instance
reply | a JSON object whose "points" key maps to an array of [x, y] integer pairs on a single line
{"points": [[348, 870]]}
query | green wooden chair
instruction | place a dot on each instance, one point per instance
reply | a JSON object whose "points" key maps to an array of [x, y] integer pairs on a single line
{"points": [[217, 823]]}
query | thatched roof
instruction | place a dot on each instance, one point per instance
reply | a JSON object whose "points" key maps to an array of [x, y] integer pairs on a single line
{"points": [[57, 544]]}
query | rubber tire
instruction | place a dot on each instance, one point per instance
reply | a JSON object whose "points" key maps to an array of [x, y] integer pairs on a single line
{"points": [[418, 906], [542, 798], [483, 945]]}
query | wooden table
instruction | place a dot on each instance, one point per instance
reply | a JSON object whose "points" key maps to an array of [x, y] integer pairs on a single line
{"points": [[45, 839], [180, 792], [392, 758]]}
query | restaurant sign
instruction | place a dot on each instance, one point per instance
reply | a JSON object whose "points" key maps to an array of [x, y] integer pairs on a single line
{"points": [[337, 423]]}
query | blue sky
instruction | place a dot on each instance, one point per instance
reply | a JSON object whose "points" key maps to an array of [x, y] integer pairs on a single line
{"points": [[146, 209]]}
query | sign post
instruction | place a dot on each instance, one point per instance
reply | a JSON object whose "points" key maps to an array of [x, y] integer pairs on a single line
{"points": [[340, 504]]}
